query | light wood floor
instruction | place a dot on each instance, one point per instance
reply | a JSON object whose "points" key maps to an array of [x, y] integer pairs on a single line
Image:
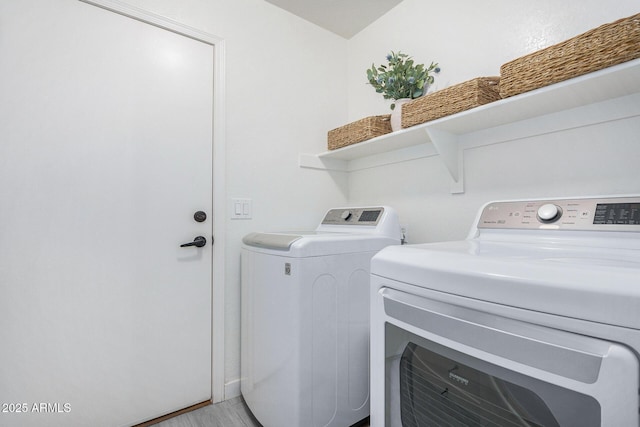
{"points": [[230, 413]]}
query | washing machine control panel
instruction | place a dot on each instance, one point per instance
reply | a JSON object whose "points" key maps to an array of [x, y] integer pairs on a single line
{"points": [[353, 216], [592, 214]]}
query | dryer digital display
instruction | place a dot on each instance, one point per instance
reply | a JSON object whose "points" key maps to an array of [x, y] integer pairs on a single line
{"points": [[617, 213]]}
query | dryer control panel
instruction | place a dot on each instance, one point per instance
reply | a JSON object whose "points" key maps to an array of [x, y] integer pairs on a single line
{"points": [[589, 214]]}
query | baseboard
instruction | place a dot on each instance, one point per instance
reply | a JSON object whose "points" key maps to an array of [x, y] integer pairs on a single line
{"points": [[232, 389]]}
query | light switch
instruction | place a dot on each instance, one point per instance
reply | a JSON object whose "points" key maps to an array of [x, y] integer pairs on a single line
{"points": [[241, 208]]}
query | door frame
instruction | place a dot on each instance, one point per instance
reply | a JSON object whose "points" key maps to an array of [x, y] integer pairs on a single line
{"points": [[218, 184]]}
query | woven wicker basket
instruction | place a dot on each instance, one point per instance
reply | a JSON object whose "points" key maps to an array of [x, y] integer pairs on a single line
{"points": [[358, 131], [602, 47], [454, 99]]}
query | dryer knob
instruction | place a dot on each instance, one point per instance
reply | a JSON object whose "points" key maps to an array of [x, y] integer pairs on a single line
{"points": [[549, 213], [346, 215]]}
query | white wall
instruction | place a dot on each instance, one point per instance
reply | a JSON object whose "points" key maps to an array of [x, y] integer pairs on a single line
{"points": [[472, 39], [285, 87]]}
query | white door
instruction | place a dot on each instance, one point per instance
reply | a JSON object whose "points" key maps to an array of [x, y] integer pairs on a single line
{"points": [[105, 156]]}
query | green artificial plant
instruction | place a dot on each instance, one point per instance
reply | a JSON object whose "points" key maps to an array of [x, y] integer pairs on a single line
{"points": [[401, 78]]}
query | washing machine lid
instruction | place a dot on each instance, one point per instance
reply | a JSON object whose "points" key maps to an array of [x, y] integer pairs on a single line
{"points": [[582, 282], [341, 231], [315, 243], [274, 241]]}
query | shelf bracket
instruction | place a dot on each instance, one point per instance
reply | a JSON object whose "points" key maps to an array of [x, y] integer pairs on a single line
{"points": [[312, 161], [450, 151]]}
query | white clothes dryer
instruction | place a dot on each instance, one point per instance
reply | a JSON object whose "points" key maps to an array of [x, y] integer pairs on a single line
{"points": [[533, 320], [305, 318]]}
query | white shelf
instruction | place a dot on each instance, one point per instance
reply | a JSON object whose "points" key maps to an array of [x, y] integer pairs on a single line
{"points": [[442, 136]]}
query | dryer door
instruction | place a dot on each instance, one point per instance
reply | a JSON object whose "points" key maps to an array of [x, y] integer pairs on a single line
{"points": [[451, 365]]}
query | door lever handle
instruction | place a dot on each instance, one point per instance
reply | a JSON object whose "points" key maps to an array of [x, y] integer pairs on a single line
{"points": [[198, 242]]}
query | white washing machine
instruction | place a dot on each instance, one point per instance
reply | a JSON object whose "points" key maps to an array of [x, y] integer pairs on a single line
{"points": [[305, 318], [533, 320]]}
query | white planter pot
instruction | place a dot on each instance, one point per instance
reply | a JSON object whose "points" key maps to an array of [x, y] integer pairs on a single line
{"points": [[396, 114]]}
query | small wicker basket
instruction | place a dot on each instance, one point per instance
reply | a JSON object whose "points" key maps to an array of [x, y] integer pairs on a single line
{"points": [[451, 100], [601, 47], [358, 131]]}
